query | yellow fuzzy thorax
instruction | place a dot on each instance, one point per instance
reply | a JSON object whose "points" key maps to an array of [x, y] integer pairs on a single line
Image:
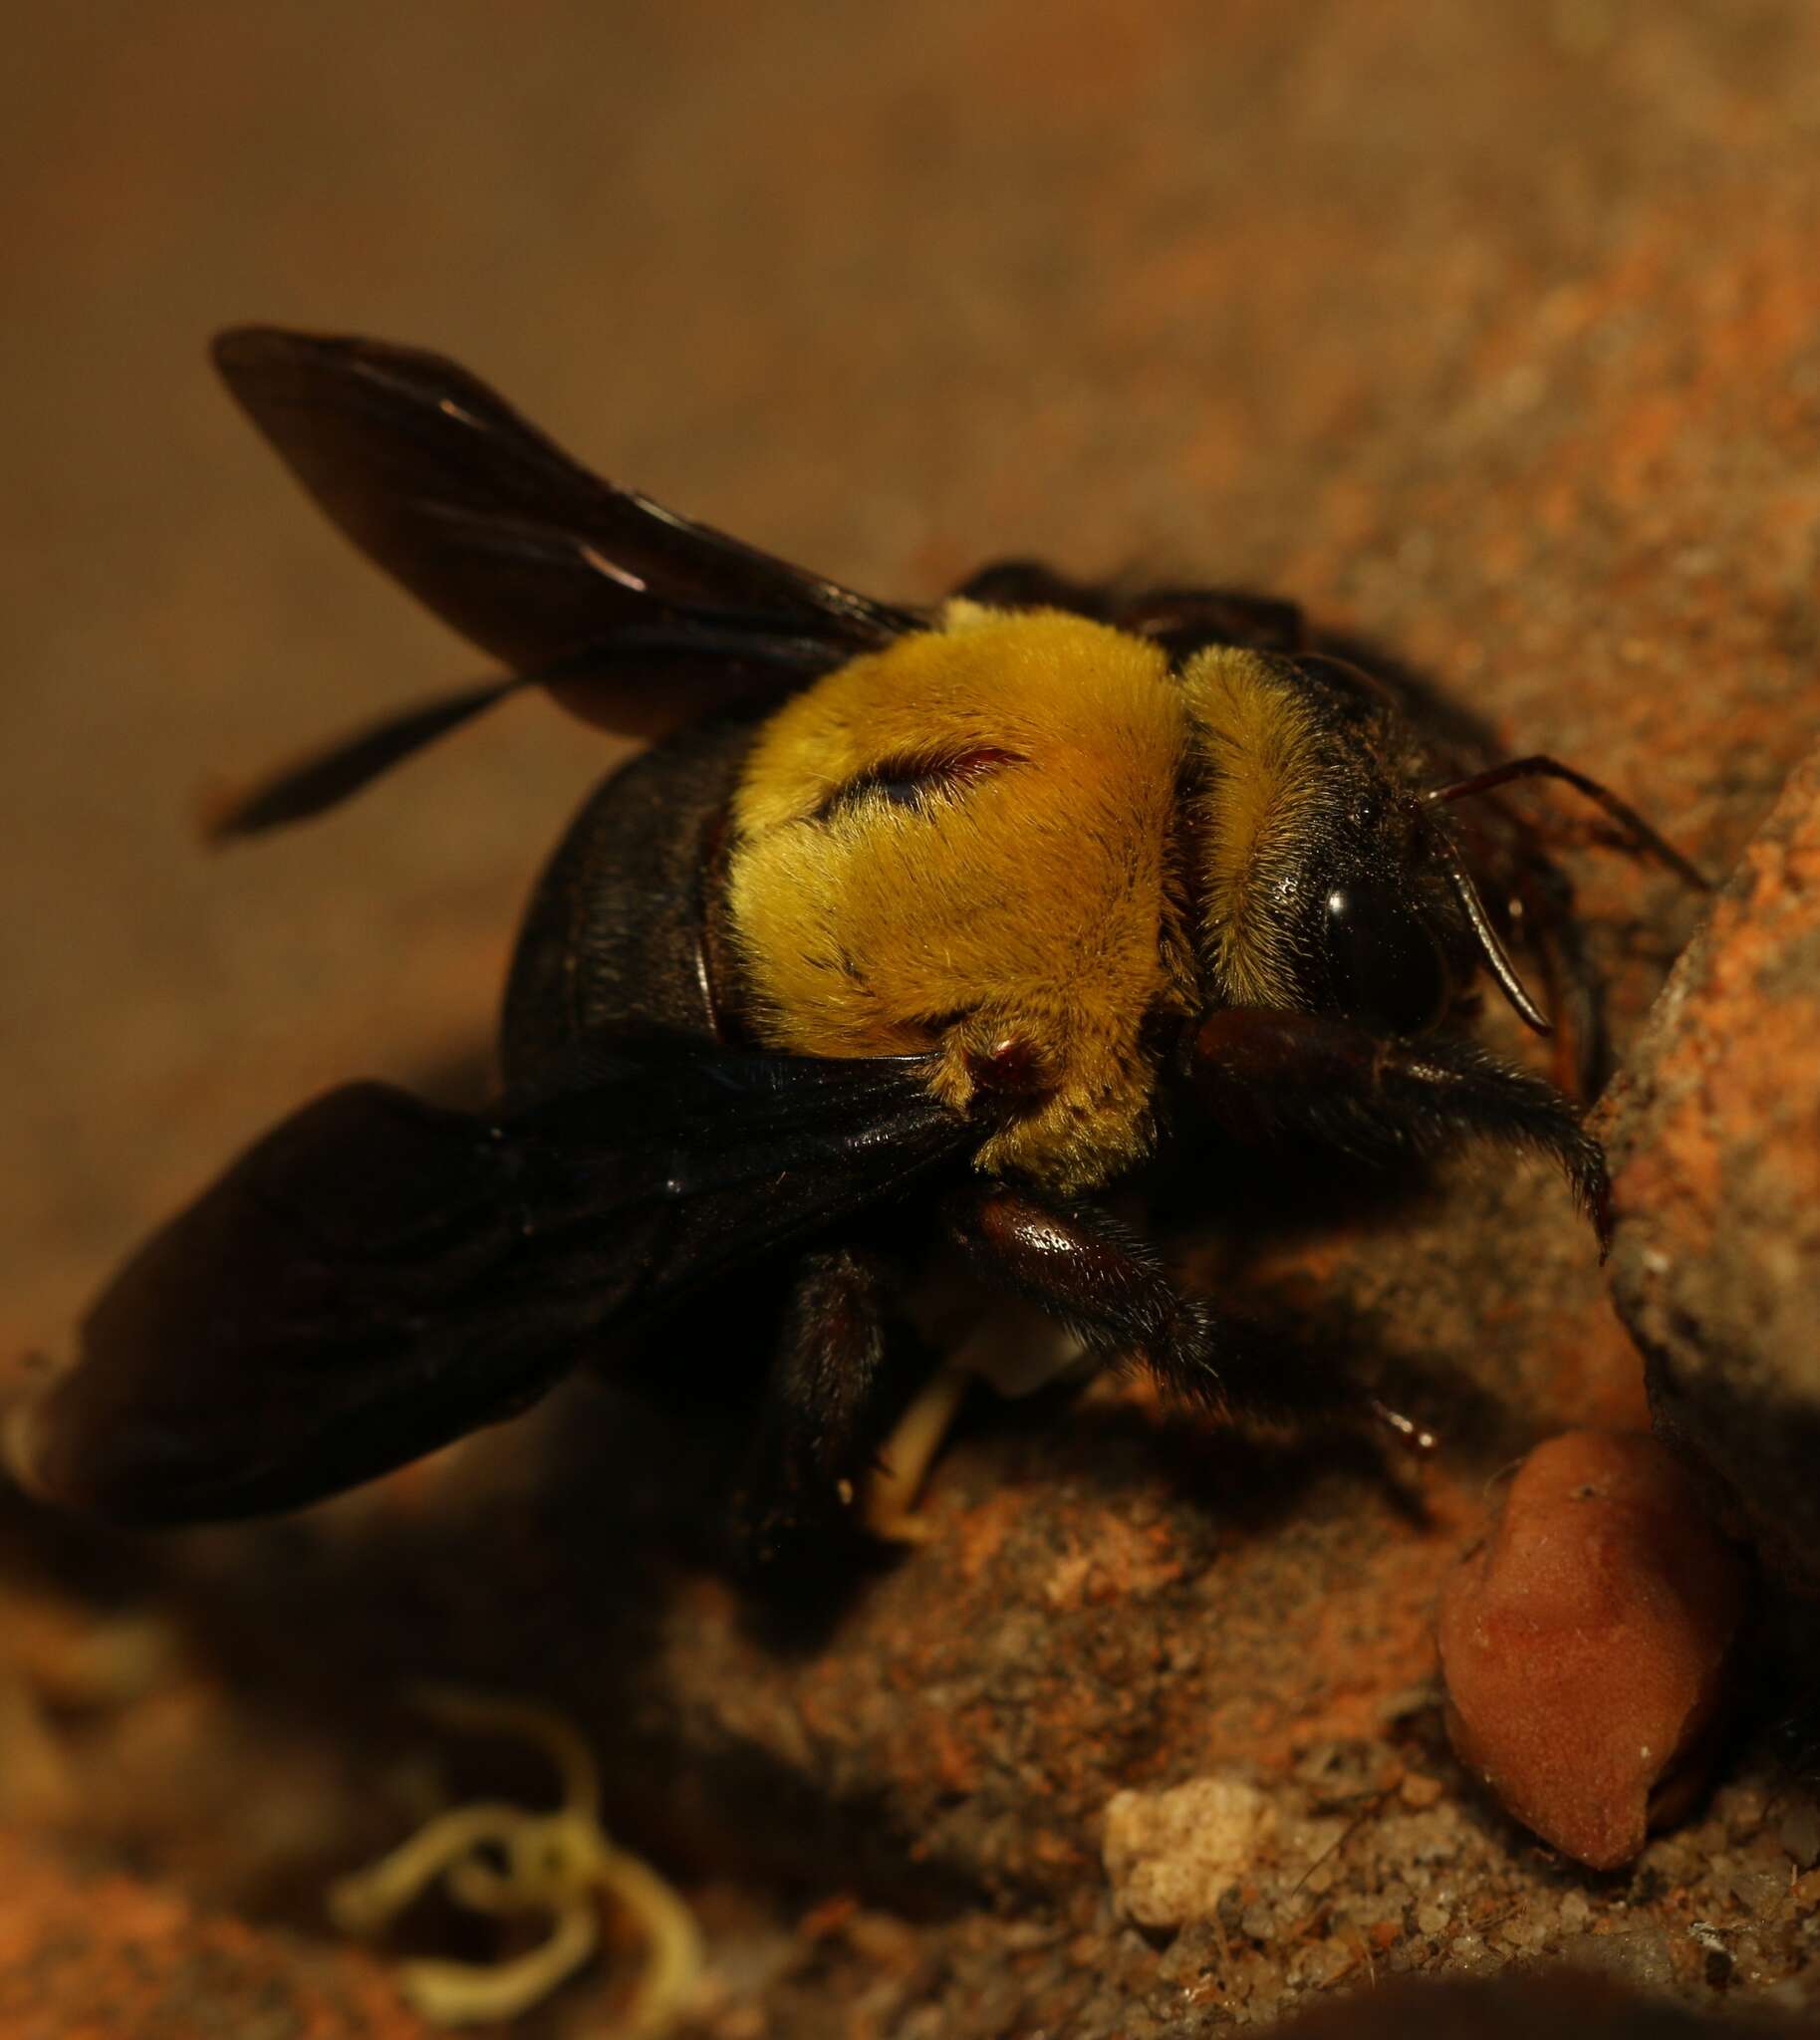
{"points": [[1261, 758], [1027, 899]]}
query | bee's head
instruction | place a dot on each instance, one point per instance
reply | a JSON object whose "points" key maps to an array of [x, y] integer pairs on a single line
{"points": [[1325, 882]]}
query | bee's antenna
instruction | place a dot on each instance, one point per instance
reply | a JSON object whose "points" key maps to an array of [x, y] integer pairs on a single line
{"points": [[1642, 838], [1492, 944]]}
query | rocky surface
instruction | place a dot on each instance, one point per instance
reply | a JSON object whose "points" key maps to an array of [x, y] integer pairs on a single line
{"points": [[1490, 335], [88, 1951], [1715, 1134], [1573, 2007]]}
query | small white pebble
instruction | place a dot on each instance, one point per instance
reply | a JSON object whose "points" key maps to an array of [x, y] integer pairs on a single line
{"points": [[1171, 1855]]}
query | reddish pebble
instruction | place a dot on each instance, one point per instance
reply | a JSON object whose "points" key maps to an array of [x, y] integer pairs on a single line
{"points": [[1585, 1643]]}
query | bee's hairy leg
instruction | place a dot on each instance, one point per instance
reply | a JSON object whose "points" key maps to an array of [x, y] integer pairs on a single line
{"points": [[824, 1405], [1107, 1283], [1181, 619], [1262, 1074]]}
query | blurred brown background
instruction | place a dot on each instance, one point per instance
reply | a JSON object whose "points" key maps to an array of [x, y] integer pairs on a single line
{"points": [[1489, 333]]}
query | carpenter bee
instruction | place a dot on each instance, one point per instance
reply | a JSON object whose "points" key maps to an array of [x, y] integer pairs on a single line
{"points": [[946, 916]]}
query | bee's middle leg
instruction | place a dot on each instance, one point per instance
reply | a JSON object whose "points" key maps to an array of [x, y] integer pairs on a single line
{"points": [[824, 1405], [1107, 1283]]}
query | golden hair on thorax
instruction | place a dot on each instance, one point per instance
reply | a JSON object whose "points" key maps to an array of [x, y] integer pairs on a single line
{"points": [[962, 839], [1258, 744]]}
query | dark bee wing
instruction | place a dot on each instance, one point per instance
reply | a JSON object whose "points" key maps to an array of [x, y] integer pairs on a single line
{"points": [[493, 527], [378, 1276], [639, 619]]}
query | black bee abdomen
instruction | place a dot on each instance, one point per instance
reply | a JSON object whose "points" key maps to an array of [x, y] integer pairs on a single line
{"points": [[614, 937]]}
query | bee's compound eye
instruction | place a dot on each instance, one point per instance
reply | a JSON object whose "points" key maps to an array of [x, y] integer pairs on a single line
{"points": [[1384, 969]]}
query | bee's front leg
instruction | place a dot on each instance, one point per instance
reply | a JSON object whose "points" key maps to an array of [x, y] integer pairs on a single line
{"points": [[1262, 1074]]}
